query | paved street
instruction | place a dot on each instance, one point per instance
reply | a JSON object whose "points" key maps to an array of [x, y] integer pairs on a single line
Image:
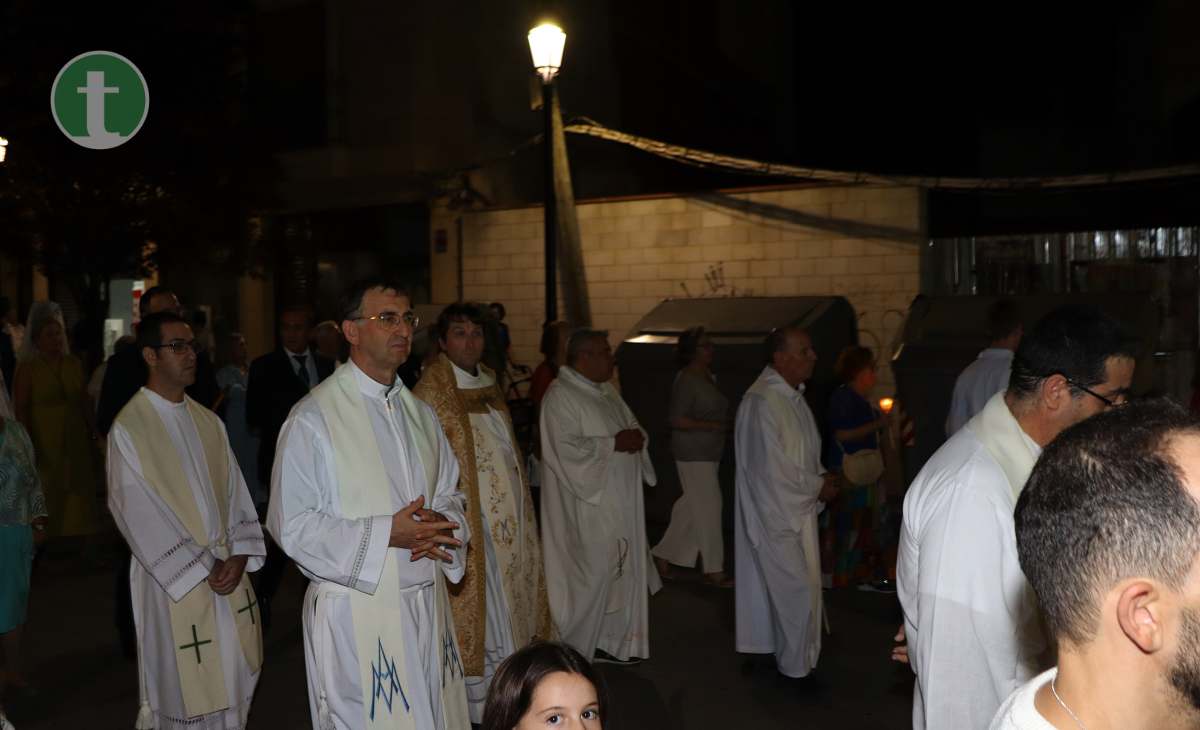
{"points": [[694, 680]]}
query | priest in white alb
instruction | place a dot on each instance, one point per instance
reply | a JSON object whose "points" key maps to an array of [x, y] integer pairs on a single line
{"points": [[177, 495], [781, 487], [593, 511], [970, 617], [500, 606], [364, 498]]}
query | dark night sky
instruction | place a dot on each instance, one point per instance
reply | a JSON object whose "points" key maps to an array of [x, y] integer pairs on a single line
{"points": [[1017, 88], [1014, 89], [1008, 90]]}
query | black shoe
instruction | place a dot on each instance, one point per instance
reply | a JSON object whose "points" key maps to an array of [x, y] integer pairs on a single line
{"points": [[805, 685], [754, 662], [603, 657]]}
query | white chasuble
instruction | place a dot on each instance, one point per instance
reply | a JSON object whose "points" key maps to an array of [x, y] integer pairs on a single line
{"points": [[969, 614], [594, 520], [779, 475], [379, 637], [178, 497]]}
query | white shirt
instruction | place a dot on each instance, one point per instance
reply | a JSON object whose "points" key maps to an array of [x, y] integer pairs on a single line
{"points": [[978, 382], [969, 613], [1019, 712]]}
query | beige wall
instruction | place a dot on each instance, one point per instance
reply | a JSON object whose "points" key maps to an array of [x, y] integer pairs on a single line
{"points": [[859, 242]]}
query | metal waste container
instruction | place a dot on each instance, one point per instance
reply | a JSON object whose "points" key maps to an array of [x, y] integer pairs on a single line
{"points": [[737, 326]]}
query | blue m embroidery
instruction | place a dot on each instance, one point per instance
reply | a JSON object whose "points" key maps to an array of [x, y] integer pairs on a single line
{"points": [[385, 682], [450, 658]]}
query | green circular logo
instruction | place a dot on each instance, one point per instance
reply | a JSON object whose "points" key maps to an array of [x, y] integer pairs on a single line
{"points": [[99, 100]]}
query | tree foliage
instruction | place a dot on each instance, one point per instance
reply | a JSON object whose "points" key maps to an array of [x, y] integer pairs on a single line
{"points": [[180, 192]]}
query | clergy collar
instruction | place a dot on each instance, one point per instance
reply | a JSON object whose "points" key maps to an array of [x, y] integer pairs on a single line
{"points": [[467, 381], [158, 400], [297, 354], [579, 378], [775, 380], [371, 387]]}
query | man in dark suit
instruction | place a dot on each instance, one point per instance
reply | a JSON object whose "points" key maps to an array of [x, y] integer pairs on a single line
{"points": [[125, 374], [278, 380]]}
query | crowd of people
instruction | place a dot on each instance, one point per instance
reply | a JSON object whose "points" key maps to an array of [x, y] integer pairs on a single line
{"points": [[438, 597]]}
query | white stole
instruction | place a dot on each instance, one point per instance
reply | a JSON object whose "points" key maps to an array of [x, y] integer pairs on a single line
{"points": [[365, 491], [193, 618], [1004, 440]]}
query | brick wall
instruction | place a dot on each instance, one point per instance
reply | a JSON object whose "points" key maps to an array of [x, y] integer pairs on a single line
{"points": [[859, 242]]}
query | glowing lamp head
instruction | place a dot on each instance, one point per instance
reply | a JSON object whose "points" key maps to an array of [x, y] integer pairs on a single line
{"points": [[546, 44], [885, 404]]}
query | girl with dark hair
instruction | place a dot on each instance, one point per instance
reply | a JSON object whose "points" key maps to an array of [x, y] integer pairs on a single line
{"points": [[699, 415], [546, 684]]}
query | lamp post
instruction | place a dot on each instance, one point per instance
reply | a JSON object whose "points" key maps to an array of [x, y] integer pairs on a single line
{"points": [[546, 43]]}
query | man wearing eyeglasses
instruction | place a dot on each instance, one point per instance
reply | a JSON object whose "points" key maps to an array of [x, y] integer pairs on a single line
{"points": [[365, 499], [969, 614], [124, 375], [277, 381], [179, 499]]}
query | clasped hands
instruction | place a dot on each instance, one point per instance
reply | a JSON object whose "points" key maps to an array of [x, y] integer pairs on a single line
{"points": [[226, 574], [629, 441], [423, 532]]}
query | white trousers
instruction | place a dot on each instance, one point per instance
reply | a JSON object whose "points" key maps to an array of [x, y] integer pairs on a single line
{"points": [[695, 527]]}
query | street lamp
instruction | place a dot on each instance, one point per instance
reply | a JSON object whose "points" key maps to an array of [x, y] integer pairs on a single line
{"points": [[3, 148], [546, 43]]}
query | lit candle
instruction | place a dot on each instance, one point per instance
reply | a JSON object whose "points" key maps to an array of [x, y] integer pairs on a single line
{"points": [[885, 405]]}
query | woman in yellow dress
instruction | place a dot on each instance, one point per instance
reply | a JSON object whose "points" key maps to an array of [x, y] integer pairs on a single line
{"points": [[49, 398]]}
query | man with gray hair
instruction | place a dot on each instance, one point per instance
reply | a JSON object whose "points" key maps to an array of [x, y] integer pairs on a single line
{"points": [[593, 512], [781, 487]]}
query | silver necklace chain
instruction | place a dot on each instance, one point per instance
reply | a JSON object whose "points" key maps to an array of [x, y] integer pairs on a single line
{"points": [[1054, 691]]}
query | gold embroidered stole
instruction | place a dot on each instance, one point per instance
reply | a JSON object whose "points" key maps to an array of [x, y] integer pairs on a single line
{"points": [[193, 618], [524, 580], [365, 491]]}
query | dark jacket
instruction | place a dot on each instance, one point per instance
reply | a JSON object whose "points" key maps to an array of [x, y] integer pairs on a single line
{"points": [[271, 390], [126, 373], [8, 360]]}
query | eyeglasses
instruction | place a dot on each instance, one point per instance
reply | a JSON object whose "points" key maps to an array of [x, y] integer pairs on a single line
{"points": [[179, 347], [1117, 401], [391, 320]]}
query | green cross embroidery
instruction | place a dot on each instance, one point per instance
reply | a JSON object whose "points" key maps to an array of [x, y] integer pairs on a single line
{"points": [[250, 604], [196, 643]]}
